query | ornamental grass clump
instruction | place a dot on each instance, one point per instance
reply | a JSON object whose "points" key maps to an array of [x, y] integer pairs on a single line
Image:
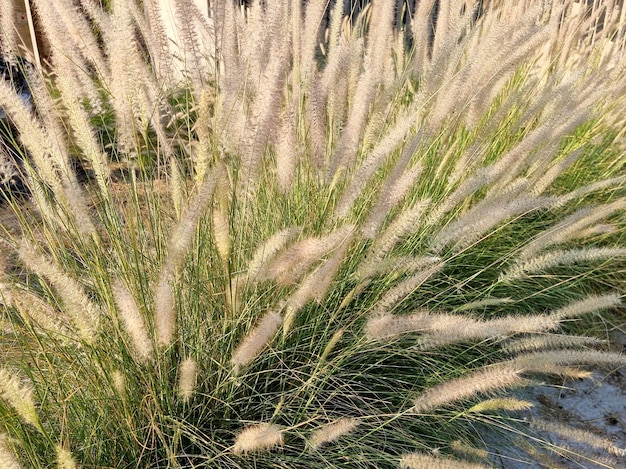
{"points": [[308, 235]]}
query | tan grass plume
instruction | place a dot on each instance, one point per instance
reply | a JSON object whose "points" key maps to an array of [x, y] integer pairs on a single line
{"points": [[501, 403], [426, 461], [133, 322], [558, 258], [258, 437], [179, 243], [291, 264], [256, 340], [19, 394], [187, 377], [576, 434], [489, 379], [65, 460], [396, 294], [8, 457], [83, 313], [332, 431]]}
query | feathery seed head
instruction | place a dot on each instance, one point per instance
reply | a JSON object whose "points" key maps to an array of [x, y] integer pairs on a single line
{"points": [[258, 437], [488, 379], [8, 458], [553, 360], [549, 341], [119, 383], [425, 461], [331, 432], [133, 322], [269, 249], [387, 326], [461, 448], [496, 404], [396, 294], [256, 340], [377, 138], [572, 224], [576, 434], [164, 311], [290, 265], [396, 265], [84, 314], [588, 305], [187, 376], [315, 286], [552, 259], [39, 312], [221, 233], [65, 460], [331, 345], [19, 395]]}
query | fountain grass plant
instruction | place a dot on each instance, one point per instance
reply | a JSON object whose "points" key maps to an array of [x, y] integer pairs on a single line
{"points": [[308, 239]]}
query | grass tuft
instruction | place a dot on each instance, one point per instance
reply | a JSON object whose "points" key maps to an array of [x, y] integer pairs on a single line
{"points": [[308, 236]]}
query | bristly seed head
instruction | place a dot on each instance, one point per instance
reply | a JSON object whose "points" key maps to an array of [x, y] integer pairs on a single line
{"points": [[259, 437]]}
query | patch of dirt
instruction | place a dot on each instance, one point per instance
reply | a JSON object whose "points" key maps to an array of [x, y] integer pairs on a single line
{"points": [[585, 417]]}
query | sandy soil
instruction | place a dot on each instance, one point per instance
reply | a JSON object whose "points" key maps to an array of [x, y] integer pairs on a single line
{"points": [[589, 420]]}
